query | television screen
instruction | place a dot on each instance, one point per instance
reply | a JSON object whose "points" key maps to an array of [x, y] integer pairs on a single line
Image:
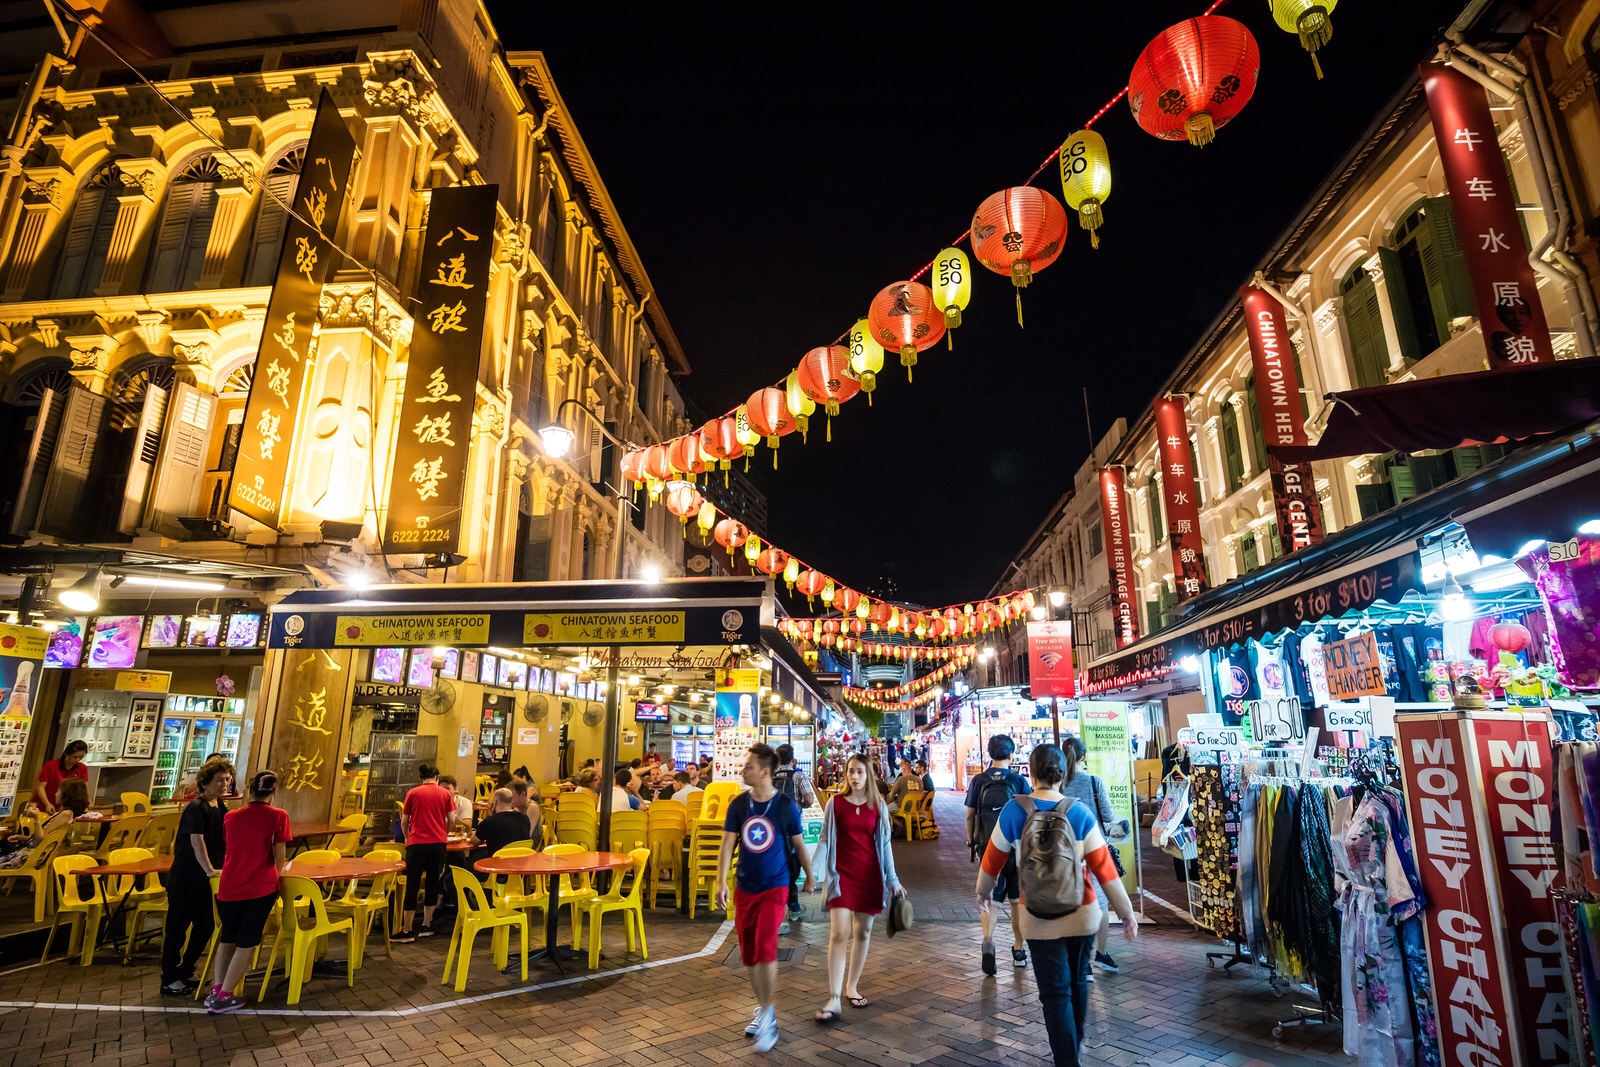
{"points": [[491, 664], [115, 641], [566, 684], [66, 644], [202, 632], [469, 666], [452, 663], [513, 674], [646, 712], [389, 665], [244, 631], [421, 674], [164, 631]]}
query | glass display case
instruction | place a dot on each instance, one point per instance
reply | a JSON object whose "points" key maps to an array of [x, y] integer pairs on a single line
{"points": [[228, 745], [99, 717], [492, 744], [204, 738], [169, 752]]}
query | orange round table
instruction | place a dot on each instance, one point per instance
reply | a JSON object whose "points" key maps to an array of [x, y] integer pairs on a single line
{"points": [[137, 869], [341, 869], [544, 864]]}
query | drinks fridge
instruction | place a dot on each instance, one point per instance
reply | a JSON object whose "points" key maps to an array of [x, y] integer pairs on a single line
{"points": [[683, 752], [205, 737], [169, 753]]}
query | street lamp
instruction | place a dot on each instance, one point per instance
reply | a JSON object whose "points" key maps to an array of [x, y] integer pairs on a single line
{"points": [[557, 440], [1058, 597]]}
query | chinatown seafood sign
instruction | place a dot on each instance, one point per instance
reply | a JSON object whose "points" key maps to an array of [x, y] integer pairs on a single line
{"points": [[1182, 499], [1119, 555]]}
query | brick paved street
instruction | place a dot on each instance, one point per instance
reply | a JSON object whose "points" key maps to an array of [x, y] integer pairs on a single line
{"points": [[686, 1005]]}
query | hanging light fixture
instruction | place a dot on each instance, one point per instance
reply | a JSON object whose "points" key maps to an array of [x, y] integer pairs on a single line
{"points": [[84, 594]]}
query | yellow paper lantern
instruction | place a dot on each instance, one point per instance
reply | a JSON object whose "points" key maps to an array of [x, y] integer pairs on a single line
{"points": [[1086, 179], [951, 279], [800, 405], [752, 547], [1310, 19], [791, 572], [827, 592], [866, 356], [862, 611], [747, 436]]}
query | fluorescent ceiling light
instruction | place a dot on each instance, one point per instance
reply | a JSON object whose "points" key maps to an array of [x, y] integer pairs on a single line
{"points": [[186, 584]]}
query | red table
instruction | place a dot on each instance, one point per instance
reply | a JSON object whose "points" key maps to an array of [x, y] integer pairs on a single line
{"points": [[552, 866]]}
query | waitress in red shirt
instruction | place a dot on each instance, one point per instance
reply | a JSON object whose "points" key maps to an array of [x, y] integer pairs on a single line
{"points": [[425, 821], [56, 771], [256, 838]]}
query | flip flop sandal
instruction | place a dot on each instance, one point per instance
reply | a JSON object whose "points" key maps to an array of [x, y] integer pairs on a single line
{"points": [[827, 1018], [859, 1002]]}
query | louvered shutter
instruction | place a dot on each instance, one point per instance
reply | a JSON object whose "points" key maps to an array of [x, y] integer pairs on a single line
{"points": [[1455, 283], [198, 235], [75, 252], [144, 447], [1231, 454], [62, 510], [181, 466], [36, 463], [1405, 323], [1400, 481], [596, 462], [1365, 326], [1258, 429], [271, 220], [1374, 499], [168, 258]]}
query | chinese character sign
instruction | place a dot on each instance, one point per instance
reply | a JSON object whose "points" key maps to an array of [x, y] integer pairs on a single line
{"points": [[1119, 555], [426, 488], [1050, 659], [262, 467], [1182, 498], [308, 723], [1485, 210]]}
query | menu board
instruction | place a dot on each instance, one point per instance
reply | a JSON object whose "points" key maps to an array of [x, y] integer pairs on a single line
{"points": [[421, 673], [452, 663], [244, 631], [732, 748], [203, 632], [469, 665], [513, 674], [388, 665], [141, 741], [491, 664], [164, 631], [115, 641], [66, 644]]}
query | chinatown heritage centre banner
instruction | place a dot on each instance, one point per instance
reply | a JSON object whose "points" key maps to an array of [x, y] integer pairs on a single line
{"points": [[1485, 209], [1182, 500], [1050, 660], [427, 486], [1119, 555], [266, 444], [1283, 424]]}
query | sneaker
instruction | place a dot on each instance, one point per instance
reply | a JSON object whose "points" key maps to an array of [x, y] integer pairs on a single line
{"points": [[180, 988], [403, 937], [1104, 961], [988, 959], [767, 1035], [221, 1005], [755, 1023], [424, 931], [794, 915], [1019, 957], [783, 928]]}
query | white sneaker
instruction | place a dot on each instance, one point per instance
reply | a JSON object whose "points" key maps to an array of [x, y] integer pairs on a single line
{"points": [[755, 1023], [767, 1036]]}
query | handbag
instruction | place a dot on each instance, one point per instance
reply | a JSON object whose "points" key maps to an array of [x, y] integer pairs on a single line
{"points": [[1116, 854], [901, 915]]}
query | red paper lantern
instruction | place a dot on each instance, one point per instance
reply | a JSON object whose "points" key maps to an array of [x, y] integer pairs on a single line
{"points": [[684, 454], [657, 465], [881, 612], [903, 316], [633, 465], [683, 500], [810, 583], [1194, 78], [825, 376], [768, 412], [729, 533], [771, 561], [845, 600], [1017, 232], [1510, 637], [721, 439]]}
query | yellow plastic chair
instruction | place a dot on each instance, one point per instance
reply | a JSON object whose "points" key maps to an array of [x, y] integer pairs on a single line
{"points": [[301, 901], [475, 913], [121, 834], [346, 843], [927, 825], [81, 913], [200, 987], [718, 795], [577, 800], [578, 828], [550, 792], [141, 894], [160, 833], [36, 868], [547, 834], [695, 803], [629, 830], [136, 803], [907, 814], [522, 892], [705, 845], [392, 854], [483, 788], [548, 813], [319, 855], [666, 845], [630, 902], [576, 889], [362, 909]]}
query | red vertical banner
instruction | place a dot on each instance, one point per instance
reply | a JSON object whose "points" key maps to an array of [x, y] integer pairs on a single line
{"points": [[1515, 759], [1050, 660], [1463, 919], [1485, 210], [1119, 555], [1181, 497], [1283, 424]]}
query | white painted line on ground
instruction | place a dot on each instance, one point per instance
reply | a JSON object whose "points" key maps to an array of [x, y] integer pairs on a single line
{"points": [[712, 947], [1185, 916]]}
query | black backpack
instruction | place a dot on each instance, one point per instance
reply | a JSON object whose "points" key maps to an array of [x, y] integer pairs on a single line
{"points": [[783, 782], [998, 787]]}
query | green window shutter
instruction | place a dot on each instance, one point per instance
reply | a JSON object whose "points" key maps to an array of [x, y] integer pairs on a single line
{"points": [[1454, 284], [1250, 555], [1199, 473], [1368, 352], [1405, 325], [1428, 473], [1468, 460], [1274, 541], [1230, 447], [1401, 482], [1258, 430], [1158, 525], [1152, 613], [1300, 380], [1374, 499]]}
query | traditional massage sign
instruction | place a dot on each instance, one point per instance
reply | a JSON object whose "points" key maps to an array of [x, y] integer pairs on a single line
{"points": [[1485, 209], [1119, 555], [1182, 498], [428, 482], [1294, 486], [272, 412], [1354, 668]]}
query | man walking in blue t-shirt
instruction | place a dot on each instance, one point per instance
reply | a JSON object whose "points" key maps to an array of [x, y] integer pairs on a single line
{"points": [[761, 820]]}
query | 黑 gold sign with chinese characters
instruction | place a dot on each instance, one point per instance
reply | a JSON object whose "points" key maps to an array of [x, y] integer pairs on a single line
{"points": [[387, 631], [435, 424], [262, 468], [631, 627]]}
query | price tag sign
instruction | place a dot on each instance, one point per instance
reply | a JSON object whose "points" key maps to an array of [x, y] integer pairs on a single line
{"points": [[1226, 737], [1355, 716], [1186, 735]]}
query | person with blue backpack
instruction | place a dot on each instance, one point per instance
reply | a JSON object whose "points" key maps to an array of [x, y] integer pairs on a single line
{"points": [[987, 794], [1053, 841]]}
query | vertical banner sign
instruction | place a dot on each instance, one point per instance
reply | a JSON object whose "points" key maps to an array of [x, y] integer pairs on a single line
{"points": [[1104, 727], [1294, 488], [1514, 760], [427, 486], [21, 671], [1050, 660], [1119, 555], [1496, 253], [1182, 501], [261, 470], [1472, 996]]}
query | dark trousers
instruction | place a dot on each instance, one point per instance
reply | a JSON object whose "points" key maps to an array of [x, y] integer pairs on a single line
{"points": [[188, 912], [424, 861], [1061, 967]]}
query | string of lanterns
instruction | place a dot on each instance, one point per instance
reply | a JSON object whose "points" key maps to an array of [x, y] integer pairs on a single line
{"points": [[865, 698], [871, 649], [918, 684]]}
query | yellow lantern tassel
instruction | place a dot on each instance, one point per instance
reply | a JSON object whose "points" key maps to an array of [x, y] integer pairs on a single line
{"points": [[724, 475], [1202, 130], [1316, 66], [829, 427], [908, 358], [1019, 307]]}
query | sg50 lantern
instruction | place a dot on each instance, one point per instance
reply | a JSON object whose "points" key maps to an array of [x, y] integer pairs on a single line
{"points": [[903, 316], [1310, 19], [866, 356], [951, 276], [1193, 79], [799, 404], [1018, 232], [1086, 179]]}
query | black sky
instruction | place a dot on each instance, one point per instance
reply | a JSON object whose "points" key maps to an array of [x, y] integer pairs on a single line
{"points": [[776, 173]]}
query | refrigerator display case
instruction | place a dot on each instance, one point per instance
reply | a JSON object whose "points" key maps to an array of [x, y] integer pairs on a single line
{"points": [[492, 728], [705, 740], [228, 745], [205, 736], [169, 753], [100, 718]]}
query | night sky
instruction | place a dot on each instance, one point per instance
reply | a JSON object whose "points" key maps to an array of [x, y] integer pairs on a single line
{"points": [[776, 175]]}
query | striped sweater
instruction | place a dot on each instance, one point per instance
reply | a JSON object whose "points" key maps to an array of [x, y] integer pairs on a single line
{"points": [[1092, 853]]}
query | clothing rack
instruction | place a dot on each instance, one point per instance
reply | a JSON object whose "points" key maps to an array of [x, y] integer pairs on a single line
{"points": [[1297, 780]]}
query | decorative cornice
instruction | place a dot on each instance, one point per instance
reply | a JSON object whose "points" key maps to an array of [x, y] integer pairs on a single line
{"points": [[364, 307], [395, 86], [51, 190], [488, 416]]}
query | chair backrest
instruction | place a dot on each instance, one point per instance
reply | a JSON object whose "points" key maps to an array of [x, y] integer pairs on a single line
{"points": [[629, 830], [393, 855], [39, 859], [717, 797], [68, 885], [664, 815], [695, 804], [134, 855], [138, 803], [160, 833], [293, 889], [346, 843], [927, 803], [584, 836], [319, 855], [483, 787], [124, 832], [635, 890], [577, 799], [909, 804], [470, 898]]}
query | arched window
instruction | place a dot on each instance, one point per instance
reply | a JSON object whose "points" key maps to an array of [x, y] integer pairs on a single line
{"points": [[1258, 429], [1426, 276], [271, 218], [1158, 522], [94, 219], [180, 251], [1232, 458], [1369, 353]]}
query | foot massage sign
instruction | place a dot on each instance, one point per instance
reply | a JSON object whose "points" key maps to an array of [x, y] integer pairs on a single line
{"points": [[1478, 792]]}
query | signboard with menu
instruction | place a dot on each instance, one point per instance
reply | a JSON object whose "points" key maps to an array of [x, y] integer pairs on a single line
{"points": [[21, 661]]}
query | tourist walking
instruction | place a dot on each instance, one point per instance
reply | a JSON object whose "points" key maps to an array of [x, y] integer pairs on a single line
{"points": [[1055, 840], [987, 795], [1092, 791], [424, 820], [760, 820], [795, 784], [198, 853], [855, 865], [256, 839]]}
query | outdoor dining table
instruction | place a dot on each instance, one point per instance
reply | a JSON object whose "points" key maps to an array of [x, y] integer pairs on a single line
{"points": [[305, 831], [551, 867], [137, 869], [339, 870]]}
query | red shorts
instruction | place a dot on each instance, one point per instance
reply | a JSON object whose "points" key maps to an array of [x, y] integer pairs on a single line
{"points": [[757, 917]]}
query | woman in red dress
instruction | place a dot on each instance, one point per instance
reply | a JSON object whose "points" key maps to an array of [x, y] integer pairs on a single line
{"points": [[855, 868]]}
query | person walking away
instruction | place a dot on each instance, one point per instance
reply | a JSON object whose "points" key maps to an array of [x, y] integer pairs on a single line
{"points": [[795, 784], [425, 823], [927, 778], [504, 823], [987, 795], [1092, 791], [855, 866], [760, 820], [904, 782], [1055, 841], [56, 771], [198, 853], [256, 838]]}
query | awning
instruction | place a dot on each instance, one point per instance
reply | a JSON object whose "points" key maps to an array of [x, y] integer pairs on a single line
{"points": [[1551, 510], [1490, 407]]}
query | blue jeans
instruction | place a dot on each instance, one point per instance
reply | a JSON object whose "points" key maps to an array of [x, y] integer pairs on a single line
{"points": [[1061, 967]]}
